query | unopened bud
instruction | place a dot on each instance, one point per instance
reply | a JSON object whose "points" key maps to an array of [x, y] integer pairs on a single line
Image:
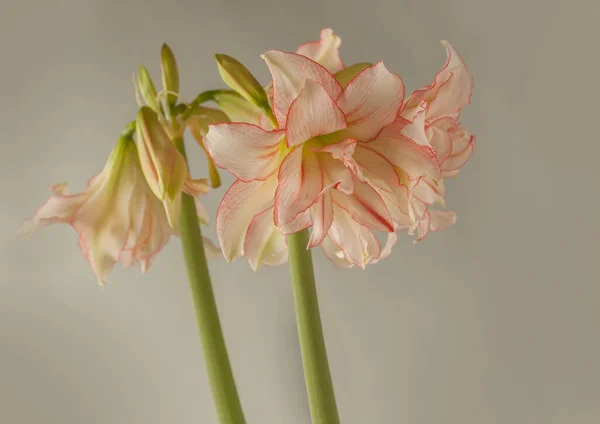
{"points": [[147, 88], [347, 74], [239, 78], [164, 168], [170, 74]]}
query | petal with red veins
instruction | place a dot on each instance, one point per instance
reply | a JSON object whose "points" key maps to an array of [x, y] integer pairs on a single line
{"points": [[301, 222], [245, 150], [404, 152], [290, 72], [335, 254], [456, 161], [326, 51], [300, 181], [312, 113], [366, 207], [321, 214], [359, 245], [371, 101], [264, 245], [240, 204]]}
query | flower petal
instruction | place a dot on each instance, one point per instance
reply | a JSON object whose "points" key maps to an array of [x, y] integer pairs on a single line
{"points": [[326, 51], [371, 101], [59, 208], [404, 152], [366, 207], [245, 150], [359, 245], [335, 254], [312, 113], [450, 91], [290, 72], [300, 181], [240, 204], [264, 245], [301, 222], [321, 214]]}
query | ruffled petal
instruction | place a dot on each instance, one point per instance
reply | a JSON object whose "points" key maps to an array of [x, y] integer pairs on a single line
{"points": [[358, 244], [371, 101], [321, 214], [245, 150], [335, 254], [59, 208], [290, 72], [300, 181], [450, 91], [240, 204], [264, 245], [326, 51], [312, 113]]}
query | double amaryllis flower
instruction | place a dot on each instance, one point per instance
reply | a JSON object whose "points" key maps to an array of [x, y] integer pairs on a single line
{"points": [[347, 157]]}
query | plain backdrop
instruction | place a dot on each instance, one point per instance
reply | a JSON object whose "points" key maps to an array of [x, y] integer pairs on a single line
{"points": [[493, 321]]}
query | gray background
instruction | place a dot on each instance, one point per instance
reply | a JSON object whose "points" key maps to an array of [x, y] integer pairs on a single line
{"points": [[492, 321]]}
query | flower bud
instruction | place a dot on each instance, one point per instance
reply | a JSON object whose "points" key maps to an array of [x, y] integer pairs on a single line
{"points": [[197, 122], [147, 88], [170, 74], [236, 107], [164, 168], [347, 74], [239, 78]]}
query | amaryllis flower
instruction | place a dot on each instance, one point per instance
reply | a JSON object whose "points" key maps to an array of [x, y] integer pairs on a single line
{"points": [[117, 216], [321, 167], [437, 108]]}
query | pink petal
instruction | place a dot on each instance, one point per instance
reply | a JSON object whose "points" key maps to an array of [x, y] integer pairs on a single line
{"points": [[335, 254], [450, 91], [440, 220], [301, 222], [245, 150], [359, 245], [300, 181], [322, 217], [312, 113], [290, 72], [240, 204], [404, 152], [59, 208], [344, 151], [371, 101], [264, 245], [325, 51], [454, 162], [366, 207]]}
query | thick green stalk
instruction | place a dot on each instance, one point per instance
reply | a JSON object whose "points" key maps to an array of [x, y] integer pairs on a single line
{"points": [[227, 402], [319, 386]]}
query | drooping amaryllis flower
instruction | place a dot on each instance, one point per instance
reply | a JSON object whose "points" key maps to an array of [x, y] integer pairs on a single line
{"points": [[318, 168], [437, 108], [117, 216]]}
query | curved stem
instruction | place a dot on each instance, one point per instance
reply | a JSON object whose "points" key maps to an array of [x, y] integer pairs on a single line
{"points": [[225, 396], [321, 397]]}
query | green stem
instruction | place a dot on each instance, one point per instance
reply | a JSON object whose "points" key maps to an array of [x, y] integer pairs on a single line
{"points": [[227, 402], [319, 386]]}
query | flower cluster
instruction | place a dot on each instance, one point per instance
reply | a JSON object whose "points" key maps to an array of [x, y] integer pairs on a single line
{"points": [[334, 148], [342, 153], [129, 211]]}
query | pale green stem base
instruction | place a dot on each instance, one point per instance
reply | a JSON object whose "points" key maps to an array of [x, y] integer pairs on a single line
{"points": [[321, 397], [227, 402]]}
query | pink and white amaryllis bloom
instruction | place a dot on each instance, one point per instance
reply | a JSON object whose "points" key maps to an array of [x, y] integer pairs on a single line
{"points": [[438, 107], [332, 164], [117, 216]]}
